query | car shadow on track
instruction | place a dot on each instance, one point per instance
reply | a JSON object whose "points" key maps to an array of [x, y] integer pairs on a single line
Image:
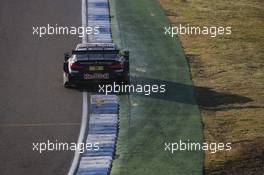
{"points": [[90, 88], [205, 97], [95, 88]]}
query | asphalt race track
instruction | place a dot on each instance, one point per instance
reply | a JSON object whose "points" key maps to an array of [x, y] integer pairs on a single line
{"points": [[34, 106]]}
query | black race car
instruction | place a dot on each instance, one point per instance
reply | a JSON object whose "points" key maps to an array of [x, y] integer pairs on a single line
{"points": [[95, 63]]}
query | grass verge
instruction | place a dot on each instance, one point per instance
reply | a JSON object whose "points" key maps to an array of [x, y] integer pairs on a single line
{"points": [[233, 68]]}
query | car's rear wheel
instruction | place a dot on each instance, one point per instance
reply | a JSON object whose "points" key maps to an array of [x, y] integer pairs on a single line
{"points": [[66, 82], [126, 78]]}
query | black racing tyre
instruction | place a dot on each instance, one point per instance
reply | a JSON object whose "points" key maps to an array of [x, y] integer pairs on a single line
{"points": [[126, 78], [66, 82]]}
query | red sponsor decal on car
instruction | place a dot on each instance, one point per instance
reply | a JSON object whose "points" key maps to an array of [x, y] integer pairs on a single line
{"points": [[88, 76]]}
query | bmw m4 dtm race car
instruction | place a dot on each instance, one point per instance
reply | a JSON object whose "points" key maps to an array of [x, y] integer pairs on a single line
{"points": [[95, 63]]}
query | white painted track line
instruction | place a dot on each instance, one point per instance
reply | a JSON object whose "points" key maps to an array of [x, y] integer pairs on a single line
{"points": [[84, 18], [76, 158], [84, 123]]}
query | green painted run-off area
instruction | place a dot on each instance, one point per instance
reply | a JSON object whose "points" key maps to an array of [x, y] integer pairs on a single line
{"points": [[147, 122]]}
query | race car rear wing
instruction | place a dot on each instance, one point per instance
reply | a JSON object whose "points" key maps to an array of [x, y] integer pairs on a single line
{"points": [[103, 51]]}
